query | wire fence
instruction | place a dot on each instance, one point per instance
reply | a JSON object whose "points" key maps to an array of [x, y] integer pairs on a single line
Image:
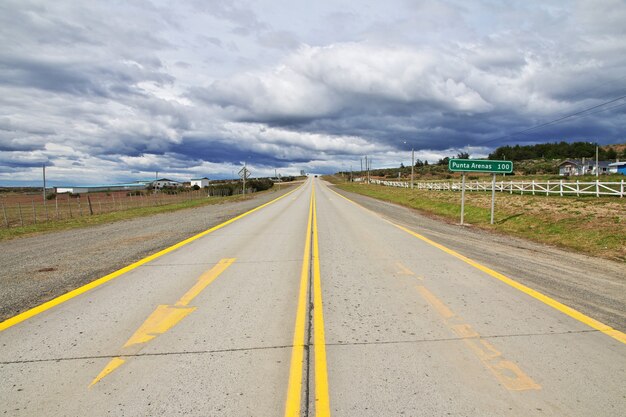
{"points": [[560, 188], [25, 210]]}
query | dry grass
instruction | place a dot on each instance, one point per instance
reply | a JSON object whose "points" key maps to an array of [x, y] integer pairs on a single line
{"points": [[595, 226]]}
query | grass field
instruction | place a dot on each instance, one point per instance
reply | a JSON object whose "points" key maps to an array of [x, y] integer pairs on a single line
{"points": [[595, 226], [122, 212]]}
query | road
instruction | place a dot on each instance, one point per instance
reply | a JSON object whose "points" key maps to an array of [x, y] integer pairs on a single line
{"points": [[310, 305]]}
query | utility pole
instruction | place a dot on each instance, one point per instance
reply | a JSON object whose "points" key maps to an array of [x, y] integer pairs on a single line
{"points": [[597, 167], [412, 165], [44, 184], [367, 173]]}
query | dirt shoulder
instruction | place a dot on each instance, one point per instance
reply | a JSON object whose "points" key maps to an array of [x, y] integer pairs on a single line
{"points": [[38, 268], [594, 286]]}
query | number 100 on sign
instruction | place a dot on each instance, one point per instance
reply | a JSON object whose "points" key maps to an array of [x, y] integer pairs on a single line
{"points": [[480, 165]]}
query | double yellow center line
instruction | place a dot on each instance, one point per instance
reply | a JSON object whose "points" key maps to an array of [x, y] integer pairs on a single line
{"points": [[294, 390]]}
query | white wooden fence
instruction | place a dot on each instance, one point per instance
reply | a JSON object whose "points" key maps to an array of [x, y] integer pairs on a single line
{"points": [[561, 188]]}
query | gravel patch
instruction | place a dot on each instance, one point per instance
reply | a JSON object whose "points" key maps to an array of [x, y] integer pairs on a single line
{"points": [[39, 268]]}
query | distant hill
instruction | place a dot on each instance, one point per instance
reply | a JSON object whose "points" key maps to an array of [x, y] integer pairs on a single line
{"points": [[558, 150]]}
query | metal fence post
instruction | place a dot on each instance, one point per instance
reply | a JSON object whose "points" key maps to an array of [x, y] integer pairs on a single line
{"points": [[6, 219], [19, 208], [34, 211], [597, 188]]}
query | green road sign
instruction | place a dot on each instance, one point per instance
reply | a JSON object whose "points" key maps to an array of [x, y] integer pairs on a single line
{"points": [[480, 165]]}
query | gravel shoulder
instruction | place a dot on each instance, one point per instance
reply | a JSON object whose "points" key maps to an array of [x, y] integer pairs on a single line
{"points": [[593, 286], [39, 268]]}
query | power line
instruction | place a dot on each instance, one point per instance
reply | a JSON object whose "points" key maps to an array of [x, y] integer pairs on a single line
{"points": [[573, 115]]}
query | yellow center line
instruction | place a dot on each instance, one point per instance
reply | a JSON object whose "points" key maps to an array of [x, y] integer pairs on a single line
{"points": [[165, 317], [12, 321], [507, 372], [573, 313], [322, 402], [294, 390]]}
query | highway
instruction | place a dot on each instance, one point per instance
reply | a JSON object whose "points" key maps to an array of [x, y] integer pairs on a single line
{"points": [[310, 305]]}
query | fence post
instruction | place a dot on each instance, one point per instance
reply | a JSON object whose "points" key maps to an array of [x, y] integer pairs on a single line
{"points": [[56, 205], [19, 208], [69, 205], [621, 190], [533, 187], [511, 185], [597, 188], [577, 189], [90, 208], [548, 188], [45, 207], [34, 211], [80, 208], [99, 206], [6, 219], [561, 188]]}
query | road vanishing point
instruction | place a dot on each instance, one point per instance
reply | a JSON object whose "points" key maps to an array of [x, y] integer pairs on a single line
{"points": [[310, 305]]}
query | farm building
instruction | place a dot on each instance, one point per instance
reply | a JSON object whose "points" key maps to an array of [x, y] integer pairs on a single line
{"points": [[80, 189], [164, 182], [617, 168], [200, 182], [584, 167]]}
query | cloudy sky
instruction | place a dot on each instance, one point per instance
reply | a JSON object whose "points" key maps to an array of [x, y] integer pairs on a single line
{"points": [[110, 91]]}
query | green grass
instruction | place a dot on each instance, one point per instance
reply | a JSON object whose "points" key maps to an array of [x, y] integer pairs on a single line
{"points": [[601, 233], [85, 221]]}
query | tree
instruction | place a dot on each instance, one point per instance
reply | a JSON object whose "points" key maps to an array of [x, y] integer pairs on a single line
{"points": [[462, 155], [611, 154], [443, 161], [401, 165]]}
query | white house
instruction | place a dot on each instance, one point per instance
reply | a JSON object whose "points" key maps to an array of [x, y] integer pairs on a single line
{"points": [[200, 182]]}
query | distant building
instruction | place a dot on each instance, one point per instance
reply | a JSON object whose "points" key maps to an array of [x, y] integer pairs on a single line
{"points": [[617, 168], [200, 182], [81, 189], [165, 183], [582, 167]]}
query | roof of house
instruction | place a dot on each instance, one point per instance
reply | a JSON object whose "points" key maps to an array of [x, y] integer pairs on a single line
{"points": [[132, 184], [617, 164], [589, 162], [198, 179]]}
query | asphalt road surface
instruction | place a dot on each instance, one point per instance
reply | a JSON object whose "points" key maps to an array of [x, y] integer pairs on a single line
{"points": [[309, 306]]}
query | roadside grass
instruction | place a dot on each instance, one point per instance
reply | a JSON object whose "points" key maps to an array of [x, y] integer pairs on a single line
{"points": [[131, 213], [595, 226]]}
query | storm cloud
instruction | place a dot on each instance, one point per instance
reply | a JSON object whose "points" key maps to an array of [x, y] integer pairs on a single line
{"points": [[114, 92]]}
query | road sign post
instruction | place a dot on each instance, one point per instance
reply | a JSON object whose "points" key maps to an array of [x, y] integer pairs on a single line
{"points": [[244, 174], [462, 198], [480, 165]]}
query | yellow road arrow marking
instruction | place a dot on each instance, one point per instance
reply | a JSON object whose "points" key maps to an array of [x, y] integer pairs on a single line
{"points": [[166, 316], [161, 320], [111, 366]]}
